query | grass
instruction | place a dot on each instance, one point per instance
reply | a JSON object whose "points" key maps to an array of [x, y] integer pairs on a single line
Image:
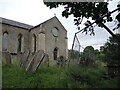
{"points": [[44, 77], [54, 77]]}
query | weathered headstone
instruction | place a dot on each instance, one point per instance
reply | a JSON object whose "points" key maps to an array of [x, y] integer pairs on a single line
{"points": [[8, 58], [36, 61], [31, 56], [46, 60], [60, 61], [87, 60], [20, 55], [24, 59]]}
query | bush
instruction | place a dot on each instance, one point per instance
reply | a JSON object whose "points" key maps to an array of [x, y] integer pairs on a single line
{"points": [[89, 77]]}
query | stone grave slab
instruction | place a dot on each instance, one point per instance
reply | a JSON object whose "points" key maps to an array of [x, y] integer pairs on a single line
{"points": [[20, 55], [36, 61], [60, 61], [8, 58], [24, 59]]}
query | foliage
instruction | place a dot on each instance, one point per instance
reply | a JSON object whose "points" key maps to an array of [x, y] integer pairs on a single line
{"points": [[96, 51], [111, 55], [80, 10], [89, 49], [53, 77], [44, 77], [94, 54], [111, 51], [73, 54], [91, 77], [87, 56]]}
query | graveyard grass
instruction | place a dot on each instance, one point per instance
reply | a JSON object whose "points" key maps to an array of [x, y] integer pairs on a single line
{"points": [[55, 77]]}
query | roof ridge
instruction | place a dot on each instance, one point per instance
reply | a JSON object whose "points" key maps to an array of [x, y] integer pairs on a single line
{"points": [[15, 23], [43, 22]]}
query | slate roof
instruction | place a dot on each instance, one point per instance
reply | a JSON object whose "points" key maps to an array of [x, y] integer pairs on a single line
{"points": [[15, 23]]}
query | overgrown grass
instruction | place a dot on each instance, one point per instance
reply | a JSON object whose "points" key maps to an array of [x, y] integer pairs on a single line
{"points": [[55, 77], [92, 77]]}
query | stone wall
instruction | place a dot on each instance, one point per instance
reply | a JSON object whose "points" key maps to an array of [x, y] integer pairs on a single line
{"points": [[44, 38], [13, 33], [35, 31], [52, 42], [47, 42]]}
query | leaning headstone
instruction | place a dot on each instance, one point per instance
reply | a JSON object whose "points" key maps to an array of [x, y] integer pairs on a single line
{"points": [[8, 58], [46, 60], [24, 59], [31, 56], [36, 61]]}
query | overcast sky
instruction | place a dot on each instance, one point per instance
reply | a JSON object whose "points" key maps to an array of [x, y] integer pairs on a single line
{"points": [[34, 12]]}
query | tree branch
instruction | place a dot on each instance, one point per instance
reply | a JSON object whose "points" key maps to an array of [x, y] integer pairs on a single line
{"points": [[108, 29]]}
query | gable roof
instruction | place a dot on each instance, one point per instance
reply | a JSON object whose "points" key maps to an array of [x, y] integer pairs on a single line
{"points": [[15, 23], [42, 23], [47, 21]]}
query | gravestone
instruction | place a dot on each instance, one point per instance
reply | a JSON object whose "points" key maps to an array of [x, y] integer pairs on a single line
{"points": [[8, 58], [24, 59], [60, 61], [36, 61], [20, 55], [46, 60], [31, 56], [87, 60]]}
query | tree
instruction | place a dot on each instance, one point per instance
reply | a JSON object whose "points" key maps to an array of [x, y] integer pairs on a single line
{"points": [[95, 10], [87, 57], [98, 55], [96, 51], [73, 54], [94, 54], [89, 49], [88, 52], [101, 55], [112, 51]]}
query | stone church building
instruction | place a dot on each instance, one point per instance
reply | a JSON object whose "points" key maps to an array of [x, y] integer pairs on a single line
{"points": [[50, 36]]}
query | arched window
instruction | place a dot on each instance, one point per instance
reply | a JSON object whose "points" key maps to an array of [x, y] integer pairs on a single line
{"points": [[19, 42], [55, 53], [34, 43], [5, 42]]}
